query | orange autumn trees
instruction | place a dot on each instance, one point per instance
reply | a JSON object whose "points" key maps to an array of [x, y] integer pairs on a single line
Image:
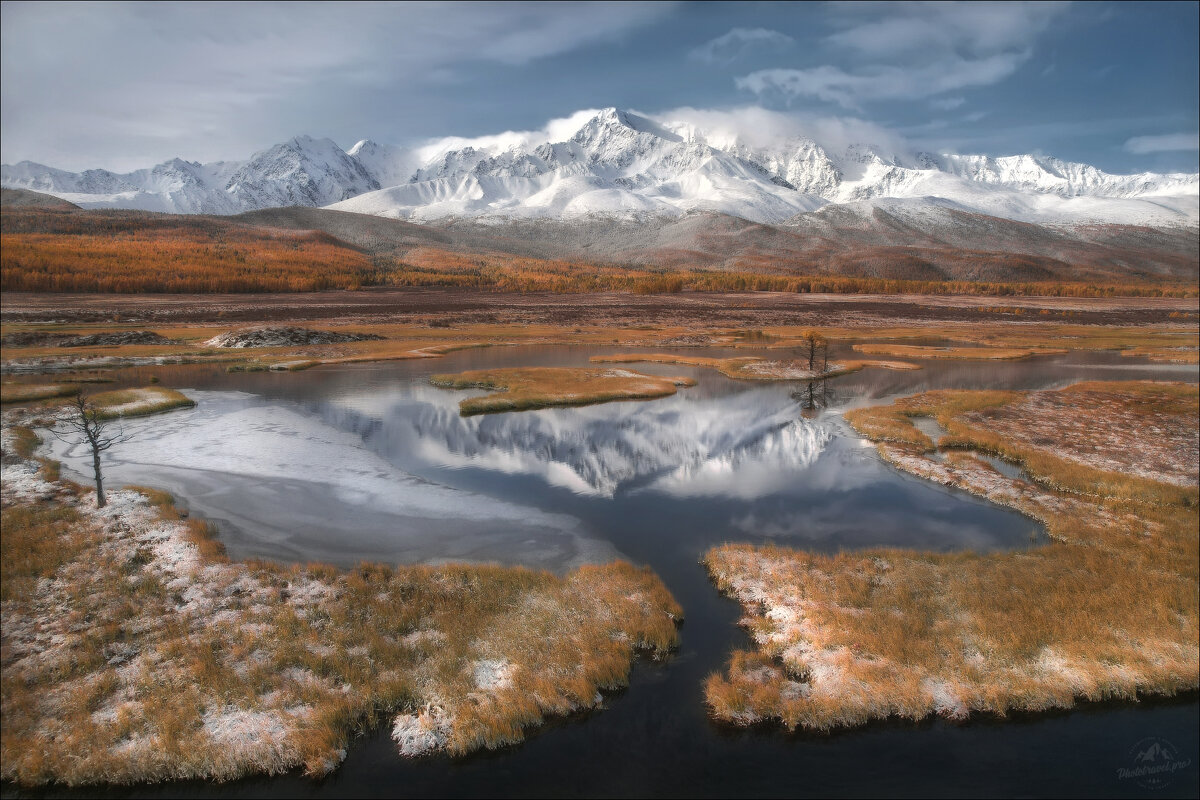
{"points": [[53, 250], [178, 261]]}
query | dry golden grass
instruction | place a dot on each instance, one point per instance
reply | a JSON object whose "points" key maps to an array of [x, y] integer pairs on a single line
{"points": [[134, 651], [968, 353], [23, 442], [1166, 355], [522, 388], [29, 392], [753, 368], [34, 542], [1109, 609]]}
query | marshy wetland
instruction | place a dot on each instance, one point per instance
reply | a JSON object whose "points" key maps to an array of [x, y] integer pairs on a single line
{"points": [[377, 461]]}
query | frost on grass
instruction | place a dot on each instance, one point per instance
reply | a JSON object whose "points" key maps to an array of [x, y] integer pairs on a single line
{"points": [[1107, 609], [134, 651], [1093, 426], [422, 732], [138, 402]]}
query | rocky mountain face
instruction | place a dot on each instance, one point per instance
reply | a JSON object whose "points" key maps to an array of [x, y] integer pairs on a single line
{"points": [[626, 166]]}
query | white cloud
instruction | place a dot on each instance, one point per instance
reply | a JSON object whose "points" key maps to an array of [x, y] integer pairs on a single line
{"points": [[760, 127], [1166, 143], [208, 81], [915, 51], [904, 30], [730, 46], [849, 90], [948, 103], [556, 130]]}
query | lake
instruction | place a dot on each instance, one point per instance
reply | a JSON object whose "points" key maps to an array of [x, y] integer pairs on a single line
{"points": [[369, 461]]}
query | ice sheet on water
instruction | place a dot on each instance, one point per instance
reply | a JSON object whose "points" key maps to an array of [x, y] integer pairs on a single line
{"points": [[287, 485]]}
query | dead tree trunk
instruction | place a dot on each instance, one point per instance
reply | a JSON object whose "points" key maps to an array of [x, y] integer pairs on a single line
{"points": [[86, 421], [101, 500]]}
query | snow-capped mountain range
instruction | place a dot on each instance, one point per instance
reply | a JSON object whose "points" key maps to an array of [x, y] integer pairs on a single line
{"points": [[621, 164]]}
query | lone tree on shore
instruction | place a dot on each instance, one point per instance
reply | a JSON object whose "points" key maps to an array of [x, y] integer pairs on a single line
{"points": [[817, 347], [86, 421]]}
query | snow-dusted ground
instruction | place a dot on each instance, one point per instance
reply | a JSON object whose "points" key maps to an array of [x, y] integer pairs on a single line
{"points": [[159, 709], [284, 484]]}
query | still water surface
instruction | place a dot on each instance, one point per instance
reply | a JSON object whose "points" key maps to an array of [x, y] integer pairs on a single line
{"points": [[369, 461]]}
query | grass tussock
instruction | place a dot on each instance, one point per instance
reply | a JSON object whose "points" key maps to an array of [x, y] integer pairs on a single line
{"points": [[134, 651], [1108, 609], [139, 402], [22, 442], [966, 353], [522, 388]]}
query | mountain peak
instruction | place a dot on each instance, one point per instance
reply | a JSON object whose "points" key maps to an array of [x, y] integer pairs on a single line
{"points": [[625, 164]]}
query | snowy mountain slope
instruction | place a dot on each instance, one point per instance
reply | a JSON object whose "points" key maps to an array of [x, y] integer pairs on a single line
{"points": [[303, 171], [388, 165], [1050, 175], [627, 166]]}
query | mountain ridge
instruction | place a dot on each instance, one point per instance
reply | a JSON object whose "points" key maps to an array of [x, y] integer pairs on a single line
{"points": [[624, 165]]}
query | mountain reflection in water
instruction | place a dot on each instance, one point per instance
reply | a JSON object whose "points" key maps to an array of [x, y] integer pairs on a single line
{"points": [[734, 444]]}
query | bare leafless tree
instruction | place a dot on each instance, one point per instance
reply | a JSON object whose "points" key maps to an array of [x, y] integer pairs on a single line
{"points": [[85, 423], [817, 347]]}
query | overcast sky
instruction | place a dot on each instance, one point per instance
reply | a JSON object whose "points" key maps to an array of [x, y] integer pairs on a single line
{"points": [[122, 86]]}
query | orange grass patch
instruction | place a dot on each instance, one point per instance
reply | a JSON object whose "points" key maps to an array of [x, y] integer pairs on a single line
{"points": [[1165, 355], [29, 392], [1109, 609]]}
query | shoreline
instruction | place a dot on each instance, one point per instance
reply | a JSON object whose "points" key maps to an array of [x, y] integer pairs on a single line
{"points": [[474, 669]]}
